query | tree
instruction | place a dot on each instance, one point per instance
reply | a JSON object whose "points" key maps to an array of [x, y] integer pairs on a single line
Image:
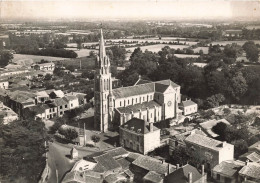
{"points": [[5, 58], [95, 138], [214, 100], [21, 143], [48, 76], [92, 54], [252, 52], [240, 147], [220, 129], [70, 134]]}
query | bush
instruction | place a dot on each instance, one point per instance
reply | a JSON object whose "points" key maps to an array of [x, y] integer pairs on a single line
{"points": [[226, 111]]}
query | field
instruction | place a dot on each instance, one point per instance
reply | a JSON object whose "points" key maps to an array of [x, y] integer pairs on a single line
{"points": [[186, 56], [82, 52], [223, 43], [86, 63], [27, 60]]}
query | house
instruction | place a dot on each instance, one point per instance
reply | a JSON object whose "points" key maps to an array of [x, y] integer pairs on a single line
{"points": [[178, 139], [209, 151], [61, 105], [39, 111], [148, 169], [81, 97], [42, 97], [255, 147], [227, 171], [72, 101], [19, 100], [4, 84], [187, 174], [74, 153], [251, 157], [250, 172], [188, 107], [7, 115], [233, 33], [139, 135], [208, 125], [118, 165], [44, 66], [56, 94]]}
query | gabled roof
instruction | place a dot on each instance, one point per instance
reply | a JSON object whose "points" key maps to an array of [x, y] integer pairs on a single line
{"points": [[152, 176], [138, 126], [206, 142], [69, 98], [252, 156], [255, 146], [151, 164], [42, 94], [39, 109], [181, 175], [140, 106], [251, 170], [188, 103], [228, 168], [59, 102], [141, 89], [58, 93], [105, 162]]}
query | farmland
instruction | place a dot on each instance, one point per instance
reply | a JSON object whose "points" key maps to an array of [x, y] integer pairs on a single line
{"points": [[86, 63], [223, 43]]}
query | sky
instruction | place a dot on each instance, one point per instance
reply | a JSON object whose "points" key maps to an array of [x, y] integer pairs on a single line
{"points": [[126, 9]]}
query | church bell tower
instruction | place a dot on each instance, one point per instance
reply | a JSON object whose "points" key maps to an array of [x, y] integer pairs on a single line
{"points": [[102, 88]]}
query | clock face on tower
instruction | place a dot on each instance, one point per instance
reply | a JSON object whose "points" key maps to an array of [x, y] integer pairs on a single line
{"points": [[169, 103]]}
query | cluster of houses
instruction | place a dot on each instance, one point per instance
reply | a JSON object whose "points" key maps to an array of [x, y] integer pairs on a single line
{"points": [[119, 165], [45, 104]]}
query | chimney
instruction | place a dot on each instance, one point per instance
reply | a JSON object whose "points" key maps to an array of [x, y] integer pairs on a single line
{"points": [[151, 127], [162, 161], [190, 177], [202, 170], [169, 168], [224, 143], [247, 162], [177, 166]]}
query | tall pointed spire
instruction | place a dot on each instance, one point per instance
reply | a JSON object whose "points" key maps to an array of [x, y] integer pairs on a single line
{"points": [[102, 50]]}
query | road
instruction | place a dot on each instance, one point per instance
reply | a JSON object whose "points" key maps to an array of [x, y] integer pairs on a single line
{"points": [[58, 159]]}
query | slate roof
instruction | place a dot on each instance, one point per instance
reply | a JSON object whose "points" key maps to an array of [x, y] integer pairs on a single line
{"points": [[181, 175], [42, 94], [115, 152], [252, 156], [251, 170], [39, 109], [188, 103], [158, 86], [151, 164], [124, 163], [153, 177], [140, 126], [140, 106], [69, 98], [21, 96], [105, 162], [142, 81], [255, 146], [115, 178], [228, 168], [59, 102], [205, 142], [58, 93]]}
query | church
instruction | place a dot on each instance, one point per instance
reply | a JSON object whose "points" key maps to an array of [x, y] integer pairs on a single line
{"points": [[149, 101]]}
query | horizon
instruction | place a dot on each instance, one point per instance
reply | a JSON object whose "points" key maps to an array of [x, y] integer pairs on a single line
{"points": [[129, 10]]}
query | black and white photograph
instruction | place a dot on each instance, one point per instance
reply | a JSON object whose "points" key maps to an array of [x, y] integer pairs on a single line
{"points": [[129, 91]]}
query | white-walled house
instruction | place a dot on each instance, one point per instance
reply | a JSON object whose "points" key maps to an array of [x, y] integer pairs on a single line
{"points": [[188, 107]]}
